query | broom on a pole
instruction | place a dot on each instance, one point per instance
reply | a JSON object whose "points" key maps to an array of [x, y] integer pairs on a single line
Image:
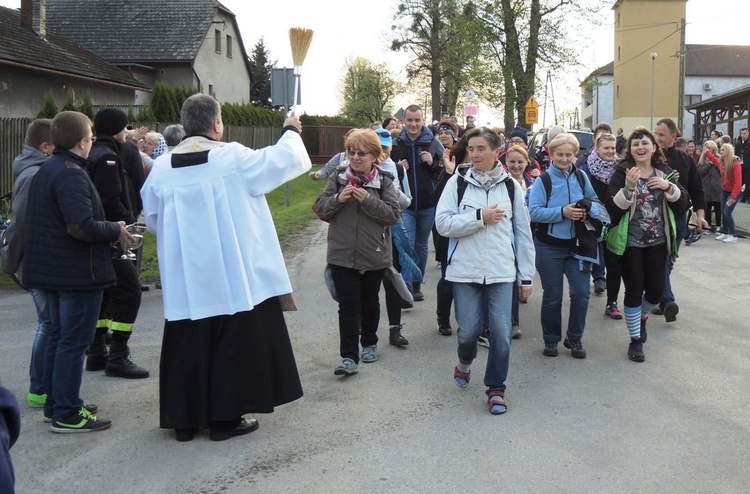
{"points": [[300, 39]]}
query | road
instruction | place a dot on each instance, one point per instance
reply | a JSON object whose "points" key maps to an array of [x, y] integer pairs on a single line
{"points": [[677, 423]]}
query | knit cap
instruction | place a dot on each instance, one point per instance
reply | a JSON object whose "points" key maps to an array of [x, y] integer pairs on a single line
{"points": [[110, 121]]}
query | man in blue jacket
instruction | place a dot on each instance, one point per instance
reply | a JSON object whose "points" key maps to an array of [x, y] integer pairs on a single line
{"points": [[67, 257], [420, 153]]}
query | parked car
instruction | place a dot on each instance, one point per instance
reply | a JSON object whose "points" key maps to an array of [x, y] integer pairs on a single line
{"points": [[539, 139]]}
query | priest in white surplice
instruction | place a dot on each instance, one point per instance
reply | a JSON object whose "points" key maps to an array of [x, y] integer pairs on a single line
{"points": [[226, 350]]}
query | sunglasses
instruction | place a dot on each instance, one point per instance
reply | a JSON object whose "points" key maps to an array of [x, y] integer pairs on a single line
{"points": [[361, 154]]}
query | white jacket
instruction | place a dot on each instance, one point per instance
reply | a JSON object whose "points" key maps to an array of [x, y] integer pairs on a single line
{"points": [[216, 241], [479, 253]]}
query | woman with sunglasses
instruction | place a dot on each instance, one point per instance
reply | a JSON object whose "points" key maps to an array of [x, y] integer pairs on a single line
{"points": [[361, 203]]}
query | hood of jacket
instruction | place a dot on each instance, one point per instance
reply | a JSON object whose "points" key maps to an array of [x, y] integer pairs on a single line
{"points": [[425, 136], [30, 156]]}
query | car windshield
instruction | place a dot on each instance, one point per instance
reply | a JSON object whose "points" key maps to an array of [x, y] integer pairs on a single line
{"points": [[585, 139]]}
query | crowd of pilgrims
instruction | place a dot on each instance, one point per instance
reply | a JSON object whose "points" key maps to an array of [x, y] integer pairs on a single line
{"points": [[614, 215]]}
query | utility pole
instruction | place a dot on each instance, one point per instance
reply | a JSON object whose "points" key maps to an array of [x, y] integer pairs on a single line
{"points": [[681, 85]]}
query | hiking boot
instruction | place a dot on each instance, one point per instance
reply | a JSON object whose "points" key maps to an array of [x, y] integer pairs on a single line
{"points": [[484, 339], [612, 311], [576, 348], [120, 365], [599, 287], [635, 350], [670, 311], [370, 354], [90, 407], [81, 421], [36, 401], [550, 349], [644, 334], [444, 326], [516, 333], [418, 295], [347, 367], [97, 353], [396, 338]]}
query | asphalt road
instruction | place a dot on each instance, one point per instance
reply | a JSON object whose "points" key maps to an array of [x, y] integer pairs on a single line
{"points": [[677, 423]]}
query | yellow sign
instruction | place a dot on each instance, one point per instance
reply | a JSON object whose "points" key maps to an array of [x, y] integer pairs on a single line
{"points": [[532, 111]]}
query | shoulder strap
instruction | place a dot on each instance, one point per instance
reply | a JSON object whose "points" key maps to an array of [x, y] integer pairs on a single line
{"points": [[581, 180], [461, 186], [547, 182]]}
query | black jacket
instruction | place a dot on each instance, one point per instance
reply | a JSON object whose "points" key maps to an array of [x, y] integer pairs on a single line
{"points": [[690, 179], [620, 144], [66, 238], [134, 176], [108, 174], [421, 176]]}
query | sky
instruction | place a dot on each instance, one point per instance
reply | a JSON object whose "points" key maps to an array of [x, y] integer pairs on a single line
{"points": [[343, 31]]}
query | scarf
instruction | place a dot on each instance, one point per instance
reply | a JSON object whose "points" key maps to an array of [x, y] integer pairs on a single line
{"points": [[485, 178], [599, 168], [160, 148], [360, 179]]}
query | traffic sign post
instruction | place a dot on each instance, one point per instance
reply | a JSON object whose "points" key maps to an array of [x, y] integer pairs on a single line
{"points": [[532, 111]]}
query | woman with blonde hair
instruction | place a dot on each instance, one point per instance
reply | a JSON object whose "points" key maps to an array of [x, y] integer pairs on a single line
{"points": [[731, 183], [360, 203]]}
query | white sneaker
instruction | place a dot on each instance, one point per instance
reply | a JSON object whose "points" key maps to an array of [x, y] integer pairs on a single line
{"points": [[722, 236], [730, 239]]}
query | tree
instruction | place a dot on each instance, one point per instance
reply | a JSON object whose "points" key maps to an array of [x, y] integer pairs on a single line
{"points": [[49, 108], [164, 106], [260, 75], [367, 91], [86, 106], [445, 39], [69, 103]]}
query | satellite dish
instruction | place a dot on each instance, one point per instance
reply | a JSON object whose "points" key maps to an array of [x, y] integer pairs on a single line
{"points": [[470, 94]]}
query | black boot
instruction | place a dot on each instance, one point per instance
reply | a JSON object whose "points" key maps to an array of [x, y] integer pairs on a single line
{"points": [[97, 354], [119, 363], [396, 339]]}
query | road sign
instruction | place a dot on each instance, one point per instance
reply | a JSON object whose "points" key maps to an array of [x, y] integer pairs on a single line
{"points": [[532, 111], [282, 87]]}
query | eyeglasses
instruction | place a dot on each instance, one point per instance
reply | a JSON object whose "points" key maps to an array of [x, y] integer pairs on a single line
{"points": [[92, 138], [361, 154]]}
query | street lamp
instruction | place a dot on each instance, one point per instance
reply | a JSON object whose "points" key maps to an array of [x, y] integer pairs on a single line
{"points": [[653, 66]]}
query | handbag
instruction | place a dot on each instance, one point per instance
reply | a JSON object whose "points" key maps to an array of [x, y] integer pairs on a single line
{"points": [[617, 236]]}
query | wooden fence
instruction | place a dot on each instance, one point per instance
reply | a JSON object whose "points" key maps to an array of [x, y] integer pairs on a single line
{"points": [[321, 142]]}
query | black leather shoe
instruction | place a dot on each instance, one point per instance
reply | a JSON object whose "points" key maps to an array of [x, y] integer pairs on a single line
{"points": [[185, 435], [245, 427]]}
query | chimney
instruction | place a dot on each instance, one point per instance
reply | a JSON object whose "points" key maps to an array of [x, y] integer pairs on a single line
{"points": [[34, 16]]}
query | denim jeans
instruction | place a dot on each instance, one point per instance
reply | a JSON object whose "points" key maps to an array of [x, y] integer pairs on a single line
{"points": [[418, 226], [597, 270], [73, 317], [552, 263], [469, 300], [681, 224], [359, 307], [727, 212], [38, 349]]}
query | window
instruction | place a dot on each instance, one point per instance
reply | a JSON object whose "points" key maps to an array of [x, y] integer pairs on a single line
{"points": [[229, 46], [618, 90], [618, 53], [691, 99], [217, 40], [210, 89]]}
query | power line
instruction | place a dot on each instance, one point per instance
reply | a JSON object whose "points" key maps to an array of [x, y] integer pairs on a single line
{"points": [[649, 48]]}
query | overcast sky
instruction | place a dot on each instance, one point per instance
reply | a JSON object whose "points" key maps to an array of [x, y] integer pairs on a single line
{"points": [[365, 32]]}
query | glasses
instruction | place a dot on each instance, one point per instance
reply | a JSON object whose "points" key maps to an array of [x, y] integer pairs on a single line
{"points": [[92, 138], [354, 153]]}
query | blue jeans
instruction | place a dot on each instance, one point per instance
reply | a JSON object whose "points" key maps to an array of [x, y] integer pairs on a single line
{"points": [[552, 262], [38, 349], [597, 270], [73, 317], [681, 224], [469, 316], [727, 212], [418, 226]]}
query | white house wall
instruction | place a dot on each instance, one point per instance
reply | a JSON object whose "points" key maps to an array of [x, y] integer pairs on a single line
{"points": [[227, 76]]}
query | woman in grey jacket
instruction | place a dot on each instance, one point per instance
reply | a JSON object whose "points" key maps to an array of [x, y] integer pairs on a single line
{"points": [[360, 203], [490, 254]]}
